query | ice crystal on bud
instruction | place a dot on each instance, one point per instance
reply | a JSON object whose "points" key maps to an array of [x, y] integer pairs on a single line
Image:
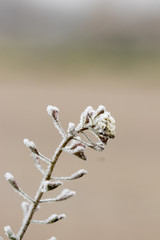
{"points": [[52, 219], [9, 177], [101, 109], [53, 111], [31, 145], [48, 186], [65, 194], [80, 173]]}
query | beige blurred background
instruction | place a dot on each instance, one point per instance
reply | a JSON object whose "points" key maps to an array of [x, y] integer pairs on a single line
{"points": [[72, 54]]}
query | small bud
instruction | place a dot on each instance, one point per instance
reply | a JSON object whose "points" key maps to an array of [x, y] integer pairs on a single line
{"points": [[101, 109], [10, 234], [53, 112], [79, 152], [48, 186], [78, 174], [76, 148], [85, 116], [31, 145], [9, 177], [71, 129], [65, 194], [54, 218]]}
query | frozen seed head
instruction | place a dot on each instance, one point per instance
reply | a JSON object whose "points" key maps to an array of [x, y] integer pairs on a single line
{"points": [[53, 112]]}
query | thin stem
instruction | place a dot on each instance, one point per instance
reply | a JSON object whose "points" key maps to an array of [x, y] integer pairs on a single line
{"points": [[25, 195], [39, 193], [83, 142]]}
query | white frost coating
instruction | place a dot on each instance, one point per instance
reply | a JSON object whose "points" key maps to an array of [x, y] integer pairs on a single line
{"points": [[47, 185], [9, 233], [71, 128], [53, 218], [29, 144], [52, 238], [85, 116], [89, 110], [101, 109], [9, 177], [25, 207], [50, 110], [8, 230], [65, 194], [78, 174]]}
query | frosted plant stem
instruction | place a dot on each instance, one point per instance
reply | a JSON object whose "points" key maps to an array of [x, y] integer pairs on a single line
{"points": [[33, 206]]}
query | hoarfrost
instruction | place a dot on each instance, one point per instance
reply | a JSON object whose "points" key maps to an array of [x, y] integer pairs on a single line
{"points": [[29, 144]]}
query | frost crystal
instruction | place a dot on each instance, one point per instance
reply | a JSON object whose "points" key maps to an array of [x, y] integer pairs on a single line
{"points": [[52, 238]]}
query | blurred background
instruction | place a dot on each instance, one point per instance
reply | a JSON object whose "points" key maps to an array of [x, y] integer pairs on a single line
{"points": [[72, 54]]}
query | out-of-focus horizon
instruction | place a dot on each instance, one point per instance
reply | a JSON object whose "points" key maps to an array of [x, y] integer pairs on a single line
{"points": [[78, 35], [58, 21]]}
